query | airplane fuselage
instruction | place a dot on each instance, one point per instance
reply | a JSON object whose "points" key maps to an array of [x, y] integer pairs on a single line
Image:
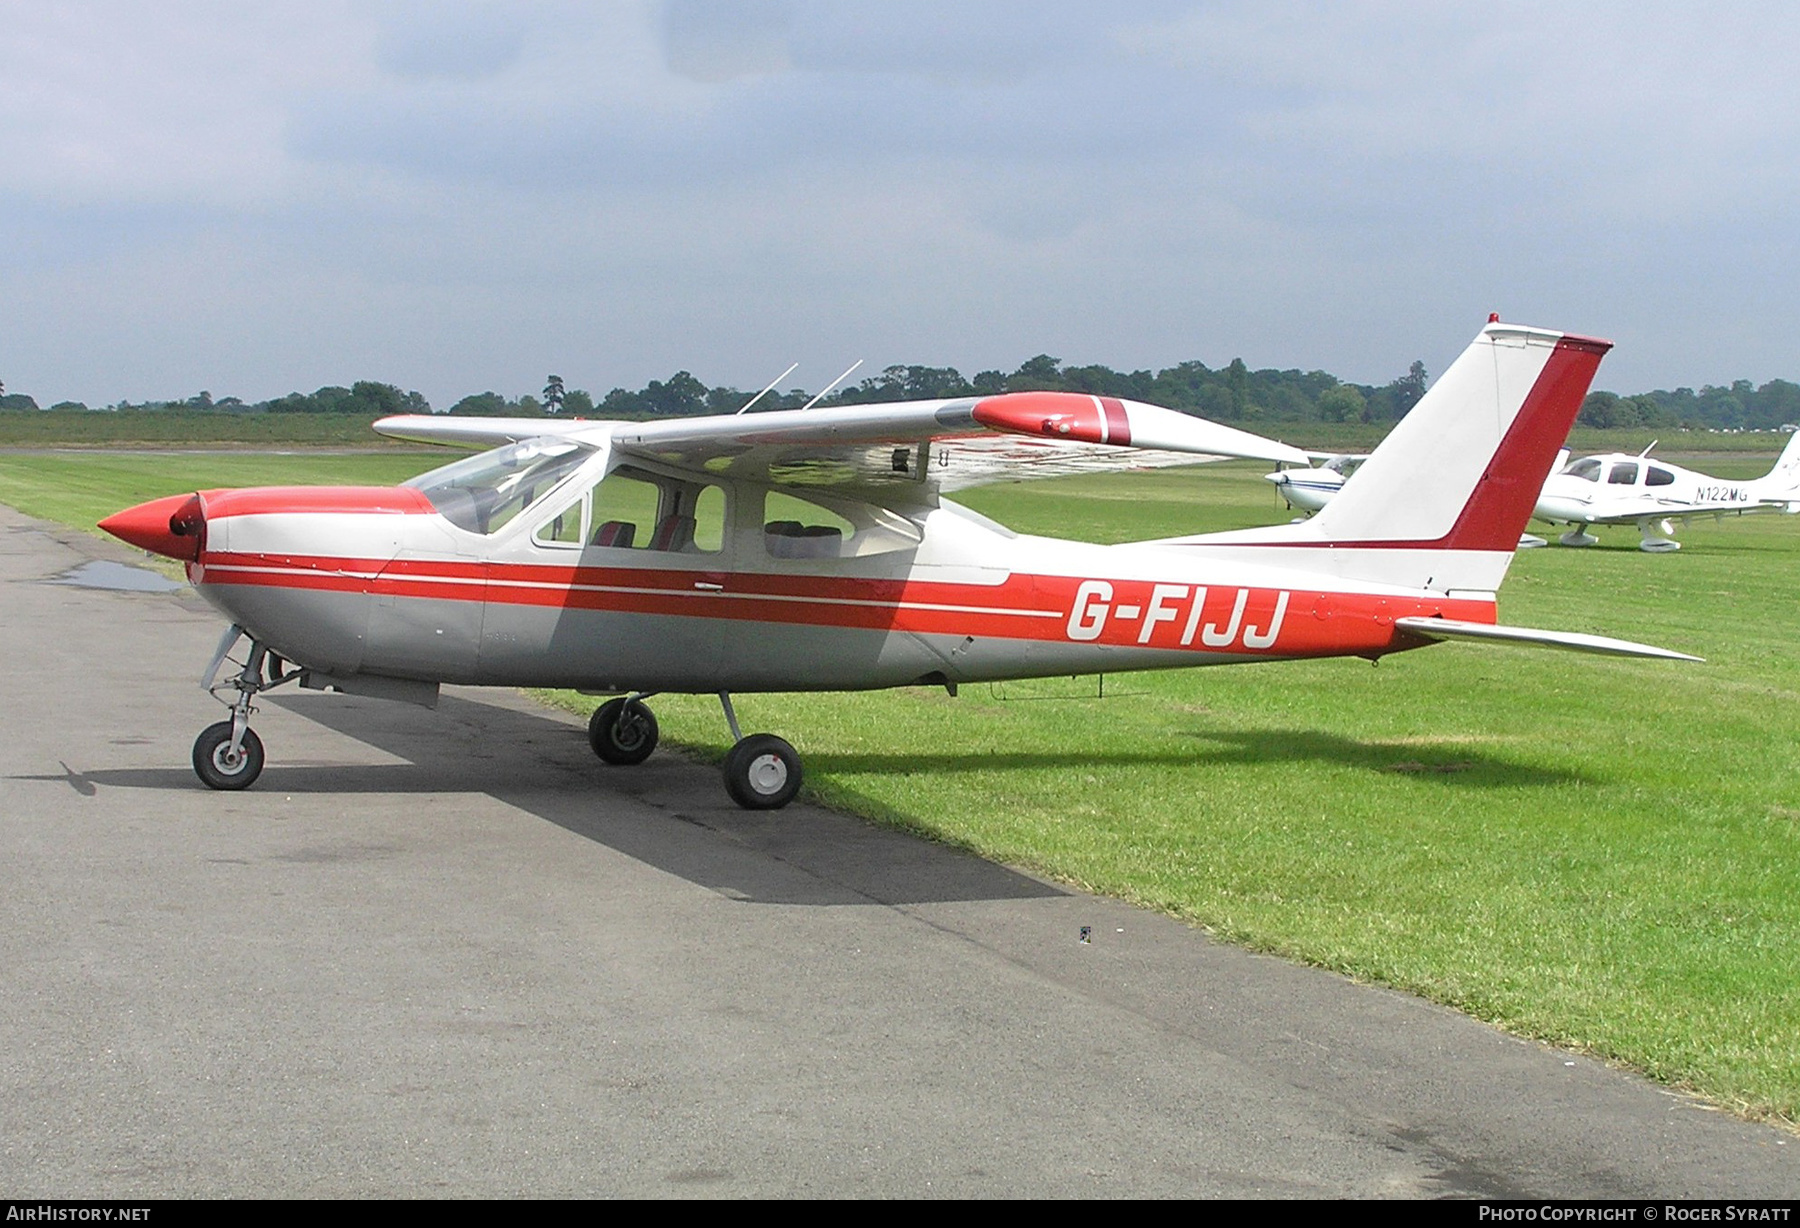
{"points": [[407, 594], [1619, 489]]}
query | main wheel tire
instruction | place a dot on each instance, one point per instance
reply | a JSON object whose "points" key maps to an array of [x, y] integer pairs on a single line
{"points": [[762, 772], [216, 765], [622, 731]]}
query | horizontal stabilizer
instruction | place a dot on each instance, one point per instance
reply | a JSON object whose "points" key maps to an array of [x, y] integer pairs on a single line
{"points": [[1573, 641]]}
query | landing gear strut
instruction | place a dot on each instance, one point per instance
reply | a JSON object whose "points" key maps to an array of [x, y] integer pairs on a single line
{"points": [[762, 771], [623, 731], [1657, 537], [229, 755]]}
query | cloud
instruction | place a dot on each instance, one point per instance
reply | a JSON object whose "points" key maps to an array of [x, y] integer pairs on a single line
{"points": [[418, 38], [643, 185], [714, 41]]}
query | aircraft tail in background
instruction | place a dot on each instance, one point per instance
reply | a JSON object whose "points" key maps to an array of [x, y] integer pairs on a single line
{"points": [[1784, 478]]}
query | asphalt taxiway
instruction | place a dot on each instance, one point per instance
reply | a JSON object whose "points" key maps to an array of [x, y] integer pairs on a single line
{"points": [[450, 953]]}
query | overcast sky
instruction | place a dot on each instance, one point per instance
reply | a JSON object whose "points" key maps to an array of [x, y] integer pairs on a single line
{"points": [[260, 198]]}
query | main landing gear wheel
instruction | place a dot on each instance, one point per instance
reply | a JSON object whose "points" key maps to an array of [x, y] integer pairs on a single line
{"points": [[221, 767], [762, 772], [622, 731]]}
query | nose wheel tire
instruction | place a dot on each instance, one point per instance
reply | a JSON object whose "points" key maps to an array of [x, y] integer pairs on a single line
{"points": [[762, 772], [622, 731], [220, 767]]}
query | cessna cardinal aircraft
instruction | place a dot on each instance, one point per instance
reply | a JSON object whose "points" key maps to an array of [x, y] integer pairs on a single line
{"points": [[813, 550], [1654, 495]]}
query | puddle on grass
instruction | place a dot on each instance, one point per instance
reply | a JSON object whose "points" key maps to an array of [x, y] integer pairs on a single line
{"points": [[118, 577]]}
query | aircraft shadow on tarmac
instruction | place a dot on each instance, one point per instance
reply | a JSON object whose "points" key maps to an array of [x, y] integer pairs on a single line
{"points": [[683, 824]]}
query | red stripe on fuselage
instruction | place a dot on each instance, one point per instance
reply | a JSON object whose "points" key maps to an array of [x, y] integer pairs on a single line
{"points": [[1071, 609], [262, 500]]}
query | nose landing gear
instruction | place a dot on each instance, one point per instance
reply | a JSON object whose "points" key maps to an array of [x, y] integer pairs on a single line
{"points": [[223, 761], [229, 755]]}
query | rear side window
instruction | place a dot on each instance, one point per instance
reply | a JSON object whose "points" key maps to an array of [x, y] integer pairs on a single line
{"points": [[801, 529], [1659, 477]]}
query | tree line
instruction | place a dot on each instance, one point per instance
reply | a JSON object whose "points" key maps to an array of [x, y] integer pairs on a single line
{"points": [[1233, 393], [1737, 407]]}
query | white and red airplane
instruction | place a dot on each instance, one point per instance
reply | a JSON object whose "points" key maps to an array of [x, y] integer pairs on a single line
{"points": [[814, 550]]}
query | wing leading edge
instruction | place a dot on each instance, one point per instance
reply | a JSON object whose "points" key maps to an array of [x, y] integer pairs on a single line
{"points": [[939, 445]]}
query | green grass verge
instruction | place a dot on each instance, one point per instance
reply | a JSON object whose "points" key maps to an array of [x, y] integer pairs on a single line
{"points": [[1601, 853], [176, 428]]}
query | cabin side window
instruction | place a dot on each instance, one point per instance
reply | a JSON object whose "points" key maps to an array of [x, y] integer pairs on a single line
{"points": [[634, 510], [798, 528], [1624, 473], [1659, 477]]}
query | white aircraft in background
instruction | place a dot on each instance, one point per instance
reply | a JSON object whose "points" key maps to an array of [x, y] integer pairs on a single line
{"points": [[1311, 489], [1615, 488], [1611, 488]]}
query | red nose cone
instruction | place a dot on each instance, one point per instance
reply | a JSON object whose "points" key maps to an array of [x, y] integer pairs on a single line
{"points": [[168, 526]]}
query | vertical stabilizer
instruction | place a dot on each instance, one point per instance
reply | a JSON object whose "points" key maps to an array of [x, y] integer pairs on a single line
{"points": [[1442, 502], [1784, 478]]}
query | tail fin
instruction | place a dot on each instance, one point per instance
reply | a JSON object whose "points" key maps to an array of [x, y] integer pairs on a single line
{"points": [[1442, 502], [1785, 476]]}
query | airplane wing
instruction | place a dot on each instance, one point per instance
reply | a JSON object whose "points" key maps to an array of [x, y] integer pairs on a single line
{"points": [[1573, 641], [895, 452], [1657, 509]]}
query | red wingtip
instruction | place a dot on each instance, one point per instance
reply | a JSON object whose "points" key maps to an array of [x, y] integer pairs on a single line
{"points": [[1058, 415], [169, 527]]}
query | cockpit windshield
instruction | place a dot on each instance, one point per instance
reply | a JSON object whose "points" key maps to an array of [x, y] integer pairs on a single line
{"points": [[1587, 469], [483, 493]]}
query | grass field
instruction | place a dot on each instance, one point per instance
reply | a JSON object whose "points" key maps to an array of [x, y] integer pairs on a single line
{"points": [[1602, 853]]}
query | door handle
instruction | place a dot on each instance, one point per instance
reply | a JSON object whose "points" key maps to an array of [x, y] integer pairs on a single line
{"points": [[708, 586]]}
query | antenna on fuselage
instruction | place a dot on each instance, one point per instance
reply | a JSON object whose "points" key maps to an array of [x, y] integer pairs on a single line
{"points": [[833, 384], [1646, 451], [765, 392]]}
